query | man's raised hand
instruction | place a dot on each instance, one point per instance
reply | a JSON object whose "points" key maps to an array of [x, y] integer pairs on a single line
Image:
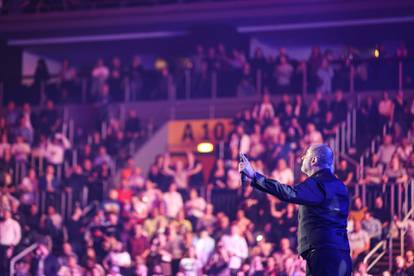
{"points": [[245, 166]]}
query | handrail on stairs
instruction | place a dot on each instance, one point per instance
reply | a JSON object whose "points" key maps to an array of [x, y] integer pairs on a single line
{"points": [[403, 230], [380, 246], [20, 256]]}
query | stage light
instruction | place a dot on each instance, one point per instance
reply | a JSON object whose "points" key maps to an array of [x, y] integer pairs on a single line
{"points": [[205, 147], [376, 53], [259, 238]]}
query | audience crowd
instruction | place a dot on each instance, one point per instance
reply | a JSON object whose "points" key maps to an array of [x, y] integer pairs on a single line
{"points": [[219, 71], [178, 218]]}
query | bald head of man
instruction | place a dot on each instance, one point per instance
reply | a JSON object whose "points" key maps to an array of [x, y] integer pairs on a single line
{"points": [[316, 158]]}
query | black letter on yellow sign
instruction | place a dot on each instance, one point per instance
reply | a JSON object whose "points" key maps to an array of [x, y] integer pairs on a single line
{"points": [[188, 133]]}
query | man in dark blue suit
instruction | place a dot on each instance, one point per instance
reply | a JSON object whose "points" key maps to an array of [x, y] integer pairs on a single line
{"points": [[323, 211]]}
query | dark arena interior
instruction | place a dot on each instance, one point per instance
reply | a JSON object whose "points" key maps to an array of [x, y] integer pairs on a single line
{"points": [[121, 124]]}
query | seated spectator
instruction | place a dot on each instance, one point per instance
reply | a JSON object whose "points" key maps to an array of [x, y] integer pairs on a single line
{"points": [[359, 242], [157, 222], [283, 173], [24, 130], [399, 267], [190, 264], [266, 109], [93, 268], [373, 172], [4, 144], [133, 127], [410, 165], [386, 150], [246, 86], [208, 219], [138, 244], [233, 176], [272, 132], [55, 149], [103, 157], [218, 264], [236, 246], [222, 226], [283, 74], [67, 79], [344, 172], [380, 212], [181, 224], [20, 150], [312, 136], [394, 173], [76, 183], [325, 74], [361, 270], [118, 257], [100, 74], [195, 207], [125, 193], [44, 263], [409, 262], [218, 175], [136, 73], [50, 185], [112, 204], [29, 188], [329, 126], [175, 246], [284, 253], [204, 246], [71, 268], [139, 207], [173, 201], [49, 120], [339, 107], [357, 212], [10, 236], [404, 150], [373, 227], [385, 108]]}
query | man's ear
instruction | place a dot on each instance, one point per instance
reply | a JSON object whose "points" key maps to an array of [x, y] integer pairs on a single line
{"points": [[314, 160]]}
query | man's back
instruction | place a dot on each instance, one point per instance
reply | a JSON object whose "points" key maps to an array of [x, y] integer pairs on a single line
{"points": [[323, 225]]}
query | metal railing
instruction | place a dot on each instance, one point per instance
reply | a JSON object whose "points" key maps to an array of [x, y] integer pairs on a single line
{"points": [[20, 256], [408, 209], [379, 249], [184, 86], [403, 230]]}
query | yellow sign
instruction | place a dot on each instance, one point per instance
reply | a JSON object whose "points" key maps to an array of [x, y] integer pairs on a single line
{"points": [[186, 134]]}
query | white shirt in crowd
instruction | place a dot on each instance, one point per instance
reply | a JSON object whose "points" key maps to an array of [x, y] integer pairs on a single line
{"points": [[204, 248], [100, 72], [173, 203], [195, 207], [237, 247], [357, 240], [314, 137], [10, 232], [55, 152], [20, 151], [284, 176]]}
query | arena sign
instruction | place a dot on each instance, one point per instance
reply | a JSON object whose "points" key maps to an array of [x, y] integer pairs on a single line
{"points": [[186, 134]]}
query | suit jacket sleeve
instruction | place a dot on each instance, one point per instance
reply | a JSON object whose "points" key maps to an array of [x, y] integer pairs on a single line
{"points": [[307, 192]]}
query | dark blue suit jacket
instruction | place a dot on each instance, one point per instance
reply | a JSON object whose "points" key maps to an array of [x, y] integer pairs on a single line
{"points": [[323, 210]]}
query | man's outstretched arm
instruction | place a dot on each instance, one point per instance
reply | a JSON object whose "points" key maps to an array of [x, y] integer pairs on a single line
{"points": [[305, 193]]}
